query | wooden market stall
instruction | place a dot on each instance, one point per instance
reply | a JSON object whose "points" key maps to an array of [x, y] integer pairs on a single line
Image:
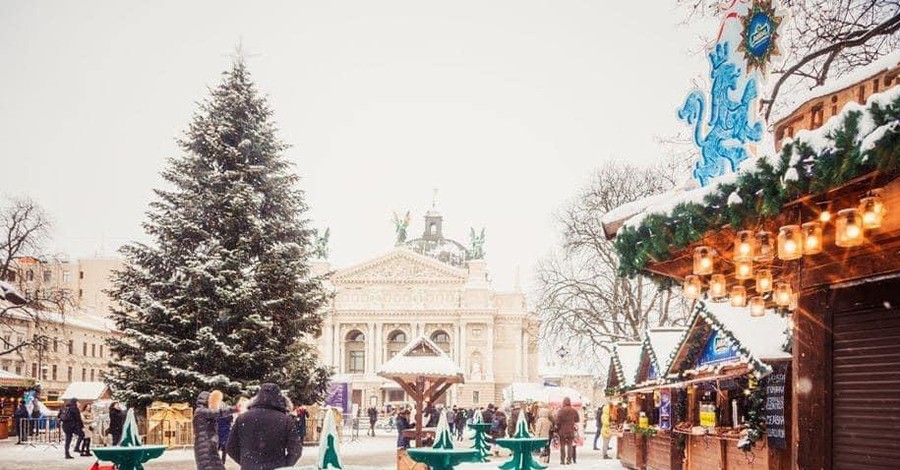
{"points": [[663, 450], [623, 366], [425, 372], [734, 370], [12, 390]]}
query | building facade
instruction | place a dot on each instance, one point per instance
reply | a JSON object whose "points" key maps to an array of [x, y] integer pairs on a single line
{"points": [[427, 286], [68, 340]]}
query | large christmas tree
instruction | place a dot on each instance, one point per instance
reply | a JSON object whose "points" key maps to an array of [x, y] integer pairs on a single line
{"points": [[222, 297]]}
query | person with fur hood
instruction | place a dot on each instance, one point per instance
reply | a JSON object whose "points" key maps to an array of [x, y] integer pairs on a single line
{"points": [[206, 436], [263, 437]]}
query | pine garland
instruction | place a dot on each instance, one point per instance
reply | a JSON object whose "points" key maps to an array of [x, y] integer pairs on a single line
{"points": [[804, 166], [756, 421]]}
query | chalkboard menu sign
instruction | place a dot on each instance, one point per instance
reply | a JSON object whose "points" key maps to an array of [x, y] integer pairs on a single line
{"points": [[774, 385]]}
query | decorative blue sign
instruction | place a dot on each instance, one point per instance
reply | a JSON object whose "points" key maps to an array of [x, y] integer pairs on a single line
{"points": [[759, 38], [651, 372], [665, 409], [718, 349], [722, 147]]}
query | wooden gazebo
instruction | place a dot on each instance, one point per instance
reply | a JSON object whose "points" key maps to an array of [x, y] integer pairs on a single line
{"points": [[425, 372]]}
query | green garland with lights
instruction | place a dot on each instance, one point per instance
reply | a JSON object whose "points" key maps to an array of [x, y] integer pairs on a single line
{"points": [[756, 421], [765, 190], [645, 432]]}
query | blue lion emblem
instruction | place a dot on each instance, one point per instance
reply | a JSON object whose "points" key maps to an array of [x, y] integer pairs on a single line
{"points": [[729, 120]]}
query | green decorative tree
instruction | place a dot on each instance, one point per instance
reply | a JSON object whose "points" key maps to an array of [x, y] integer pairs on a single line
{"points": [[328, 449], [480, 440], [223, 293], [443, 439], [522, 426]]}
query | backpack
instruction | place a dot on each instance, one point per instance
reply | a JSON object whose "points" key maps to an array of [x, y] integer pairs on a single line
{"points": [[63, 415]]}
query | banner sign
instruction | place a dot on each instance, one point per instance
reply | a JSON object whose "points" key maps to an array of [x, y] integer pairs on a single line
{"points": [[718, 349], [774, 385], [337, 395]]}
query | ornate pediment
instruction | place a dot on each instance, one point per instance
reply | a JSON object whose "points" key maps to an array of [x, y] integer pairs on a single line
{"points": [[401, 266]]}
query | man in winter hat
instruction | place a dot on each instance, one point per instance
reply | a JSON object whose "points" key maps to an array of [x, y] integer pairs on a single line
{"points": [[263, 438]]}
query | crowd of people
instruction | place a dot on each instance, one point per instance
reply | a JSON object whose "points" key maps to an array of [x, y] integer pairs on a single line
{"points": [[563, 426]]}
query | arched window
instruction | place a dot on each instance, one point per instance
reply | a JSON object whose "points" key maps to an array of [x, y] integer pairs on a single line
{"points": [[355, 345], [442, 340], [433, 229], [397, 339]]}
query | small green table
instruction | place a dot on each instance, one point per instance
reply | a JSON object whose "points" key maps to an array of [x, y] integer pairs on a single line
{"points": [[443, 459], [128, 458], [522, 449]]}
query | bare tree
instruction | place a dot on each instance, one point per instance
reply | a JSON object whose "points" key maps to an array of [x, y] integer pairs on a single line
{"points": [[24, 230], [582, 300], [823, 39]]}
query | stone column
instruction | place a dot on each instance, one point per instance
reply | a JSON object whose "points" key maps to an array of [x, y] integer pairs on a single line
{"points": [[370, 350], [328, 343], [489, 374], [339, 351], [463, 350], [379, 346]]}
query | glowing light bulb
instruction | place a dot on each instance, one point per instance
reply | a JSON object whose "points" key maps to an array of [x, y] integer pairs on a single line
{"points": [[825, 216], [744, 248], [812, 243], [852, 231]]}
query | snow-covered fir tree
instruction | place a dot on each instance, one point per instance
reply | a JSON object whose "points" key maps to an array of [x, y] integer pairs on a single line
{"points": [[223, 296]]}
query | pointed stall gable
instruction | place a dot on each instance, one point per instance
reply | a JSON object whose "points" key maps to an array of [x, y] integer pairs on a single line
{"points": [[721, 335], [421, 358], [657, 351], [623, 365], [401, 266]]}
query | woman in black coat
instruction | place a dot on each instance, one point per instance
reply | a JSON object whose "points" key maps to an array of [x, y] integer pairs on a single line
{"points": [[206, 434], [72, 425], [264, 437], [116, 423]]}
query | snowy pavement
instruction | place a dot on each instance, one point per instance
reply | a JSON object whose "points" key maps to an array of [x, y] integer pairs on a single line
{"points": [[378, 452]]}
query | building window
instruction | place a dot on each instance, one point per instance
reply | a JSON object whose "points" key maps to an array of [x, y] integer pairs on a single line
{"points": [[55, 345], [11, 276], [67, 276], [396, 342], [816, 116], [71, 347], [475, 397], [355, 345], [101, 350], [875, 86], [80, 293], [92, 375], [69, 374], [442, 340], [48, 276], [34, 370], [396, 396], [862, 94], [93, 350], [29, 275], [80, 274], [888, 80], [84, 349], [53, 372], [18, 368], [83, 374]]}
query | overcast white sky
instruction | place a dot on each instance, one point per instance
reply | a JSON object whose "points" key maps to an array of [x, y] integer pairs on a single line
{"points": [[506, 107]]}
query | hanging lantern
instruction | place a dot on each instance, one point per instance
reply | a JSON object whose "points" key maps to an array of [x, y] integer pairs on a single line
{"points": [[812, 238], [738, 296], [743, 270], [717, 287], [744, 244], [757, 307], [872, 210], [763, 281], [790, 242], [783, 294], [704, 258], [692, 287], [848, 228], [765, 247], [825, 216]]}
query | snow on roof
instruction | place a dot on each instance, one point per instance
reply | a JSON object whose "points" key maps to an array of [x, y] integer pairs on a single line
{"points": [[9, 292], [762, 337], [627, 356], [421, 357], [75, 318], [858, 74], [663, 344], [84, 391], [5, 374], [817, 139]]}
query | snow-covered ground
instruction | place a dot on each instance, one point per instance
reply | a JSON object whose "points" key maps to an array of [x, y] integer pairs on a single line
{"points": [[377, 452]]}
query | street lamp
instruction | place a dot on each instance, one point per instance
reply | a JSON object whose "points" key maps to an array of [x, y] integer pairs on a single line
{"points": [[562, 352]]}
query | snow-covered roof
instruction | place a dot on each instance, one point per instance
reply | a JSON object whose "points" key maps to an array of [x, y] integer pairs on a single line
{"points": [[762, 337], [85, 391], [626, 358], [421, 357], [859, 74], [817, 139], [663, 344], [9, 292], [76, 318]]}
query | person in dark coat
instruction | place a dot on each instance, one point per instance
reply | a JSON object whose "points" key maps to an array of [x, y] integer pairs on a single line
{"points": [[566, 420], [373, 418], [21, 426], [116, 423], [223, 426], [73, 426], [206, 434], [402, 425], [263, 438]]}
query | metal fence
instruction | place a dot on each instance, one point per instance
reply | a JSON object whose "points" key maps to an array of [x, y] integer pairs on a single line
{"points": [[39, 431]]}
